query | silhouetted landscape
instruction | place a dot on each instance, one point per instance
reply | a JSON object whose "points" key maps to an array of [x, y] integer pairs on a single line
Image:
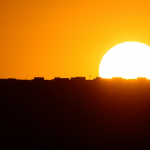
{"points": [[75, 112]]}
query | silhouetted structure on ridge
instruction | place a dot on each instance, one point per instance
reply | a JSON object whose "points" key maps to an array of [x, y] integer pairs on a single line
{"points": [[11, 79], [38, 78], [61, 79], [78, 79]]}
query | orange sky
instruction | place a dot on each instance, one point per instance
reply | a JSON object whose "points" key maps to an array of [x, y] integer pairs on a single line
{"points": [[66, 38]]}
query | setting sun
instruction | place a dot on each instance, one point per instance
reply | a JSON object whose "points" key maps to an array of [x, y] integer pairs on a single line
{"points": [[128, 60]]}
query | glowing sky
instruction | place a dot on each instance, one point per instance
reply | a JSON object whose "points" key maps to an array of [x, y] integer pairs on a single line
{"points": [[66, 38]]}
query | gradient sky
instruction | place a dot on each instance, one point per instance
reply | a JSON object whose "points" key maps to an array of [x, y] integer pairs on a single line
{"points": [[66, 38]]}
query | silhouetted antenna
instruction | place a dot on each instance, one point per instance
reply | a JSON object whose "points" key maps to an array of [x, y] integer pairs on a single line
{"points": [[90, 77]]}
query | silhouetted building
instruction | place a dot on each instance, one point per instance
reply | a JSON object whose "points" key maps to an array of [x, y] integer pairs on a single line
{"points": [[78, 79], [39, 78], [11, 79], [98, 78], [61, 79]]}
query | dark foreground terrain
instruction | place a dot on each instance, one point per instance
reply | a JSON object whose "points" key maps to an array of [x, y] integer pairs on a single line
{"points": [[75, 113]]}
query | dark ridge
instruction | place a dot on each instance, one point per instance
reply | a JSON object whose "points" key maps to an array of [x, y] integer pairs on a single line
{"points": [[75, 113]]}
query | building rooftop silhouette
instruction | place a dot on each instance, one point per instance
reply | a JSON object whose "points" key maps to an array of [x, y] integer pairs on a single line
{"points": [[39, 78], [78, 79], [60, 79]]}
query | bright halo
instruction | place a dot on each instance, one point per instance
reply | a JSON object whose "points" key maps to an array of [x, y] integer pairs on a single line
{"points": [[128, 60]]}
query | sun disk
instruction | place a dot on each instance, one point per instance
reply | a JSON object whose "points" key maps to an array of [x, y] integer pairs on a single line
{"points": [[128, 60]]}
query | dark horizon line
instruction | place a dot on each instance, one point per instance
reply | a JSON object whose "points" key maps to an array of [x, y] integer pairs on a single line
{"points": [[72, 78]]}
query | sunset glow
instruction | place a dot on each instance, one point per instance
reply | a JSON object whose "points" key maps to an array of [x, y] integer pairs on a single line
{"points": [[128, 60], [66, 38]]}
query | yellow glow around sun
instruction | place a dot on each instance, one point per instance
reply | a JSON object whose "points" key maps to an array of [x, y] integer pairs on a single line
{"points": [[128, 60]]}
